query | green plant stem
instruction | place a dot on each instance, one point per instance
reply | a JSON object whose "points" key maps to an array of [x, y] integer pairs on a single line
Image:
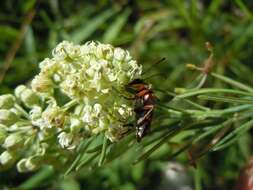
{"points": [[190, 93], [37, 179], [85, 162], [218, 113], [70, 104], [194, 104], [103, 152], [19, 108], [225, 99], [197, 178], [233, 82], [163, 140], [233, 136]]}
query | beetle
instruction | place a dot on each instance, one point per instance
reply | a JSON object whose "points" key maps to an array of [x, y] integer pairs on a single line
{"points": [[144, 106]]}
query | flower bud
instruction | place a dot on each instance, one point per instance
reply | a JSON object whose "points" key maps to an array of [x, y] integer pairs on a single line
{"points": [[75, 124], [27, 96], [16, 111], [19, 90], [18, 125], [21, 165], [180, 90], [29, 164], [35, 113], [7, 117], [42, 83], [7, 101], [7, 158], [33, 163], [191, 66], [13, 141]]}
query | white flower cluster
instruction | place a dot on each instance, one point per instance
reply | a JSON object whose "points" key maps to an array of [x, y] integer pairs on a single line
{"points": [[95, 75], [79, 92], [89, 70]]}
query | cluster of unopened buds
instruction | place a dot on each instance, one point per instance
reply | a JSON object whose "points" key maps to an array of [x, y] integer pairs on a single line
{"points": [[78, 93]]}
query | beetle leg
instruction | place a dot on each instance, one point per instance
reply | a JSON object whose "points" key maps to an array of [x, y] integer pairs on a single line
{"points": [[145, 116]]}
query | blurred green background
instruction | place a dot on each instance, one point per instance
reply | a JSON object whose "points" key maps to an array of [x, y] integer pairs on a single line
{"points": [[150, 30]]}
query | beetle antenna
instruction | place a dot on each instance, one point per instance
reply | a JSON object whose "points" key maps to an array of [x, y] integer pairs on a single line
{"points": [[154, 64], [154, 75]]}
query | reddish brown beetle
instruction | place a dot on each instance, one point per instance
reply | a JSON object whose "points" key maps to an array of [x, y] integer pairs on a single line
{"points": [[144, 106]]}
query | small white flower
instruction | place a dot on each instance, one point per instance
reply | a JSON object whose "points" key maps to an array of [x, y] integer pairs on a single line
{"points": [[76, 124], [35, 113], [102, 123], [119, 54], [112, 76], [66, 49], [42, 124], [57, 78], [105, 91], [87, 116], [121, 111], [97, 109], [65, 140]]}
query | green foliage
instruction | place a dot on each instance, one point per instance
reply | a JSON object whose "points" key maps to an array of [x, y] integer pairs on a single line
{"points": [[208, 117]]}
